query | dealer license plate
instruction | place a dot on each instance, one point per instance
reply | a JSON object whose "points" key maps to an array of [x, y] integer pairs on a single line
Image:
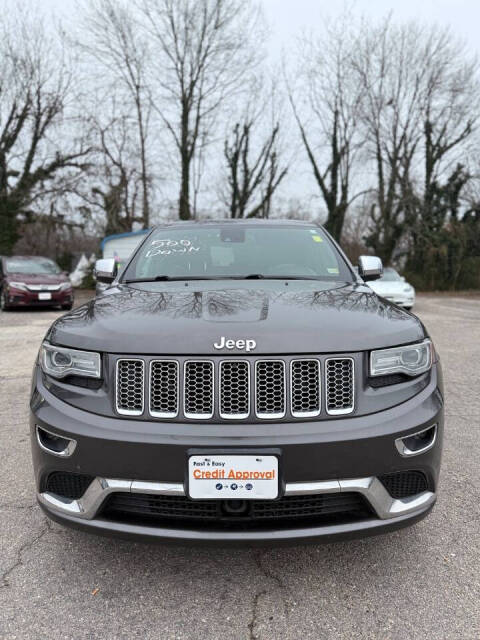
{"points": [[44, 296], [228, 477]]}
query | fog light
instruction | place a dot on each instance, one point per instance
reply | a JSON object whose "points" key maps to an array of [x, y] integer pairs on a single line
{"points": [[416, 443], [54, 444]]}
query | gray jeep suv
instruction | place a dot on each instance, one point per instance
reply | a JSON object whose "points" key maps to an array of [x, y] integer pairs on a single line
{"points": [[237, 383]]}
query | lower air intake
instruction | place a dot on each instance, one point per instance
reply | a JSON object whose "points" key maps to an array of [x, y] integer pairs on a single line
{"points": [[68, 485], [403, 484], [290, 511]]}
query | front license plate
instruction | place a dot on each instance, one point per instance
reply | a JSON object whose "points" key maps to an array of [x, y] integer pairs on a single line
{"points": [[44, 296], [227, 477]]}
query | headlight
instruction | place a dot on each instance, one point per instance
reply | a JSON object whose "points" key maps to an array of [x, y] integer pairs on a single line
{"points": [[407, 289], [18, 285], [65, 285], [60, 362], [411, 359]]}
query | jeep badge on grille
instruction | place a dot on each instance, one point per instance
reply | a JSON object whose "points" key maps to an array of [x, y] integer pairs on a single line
{"points": [[247, 344]]}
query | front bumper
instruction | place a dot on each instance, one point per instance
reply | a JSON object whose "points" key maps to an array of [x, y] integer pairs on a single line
{"points": [[21, 298], [402, 300], [333, 456]]}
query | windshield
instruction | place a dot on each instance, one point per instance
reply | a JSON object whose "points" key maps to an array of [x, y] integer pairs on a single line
{"points": [[390, 275], [238, 251], [31, 266]]}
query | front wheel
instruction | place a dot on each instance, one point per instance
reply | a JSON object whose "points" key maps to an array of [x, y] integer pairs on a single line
{"points": [[407, 308], [3, 301], [67, 307]]}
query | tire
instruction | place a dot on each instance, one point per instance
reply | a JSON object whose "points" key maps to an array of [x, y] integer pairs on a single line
{"points": [[3, 302], [407, 308], [67, 307]]}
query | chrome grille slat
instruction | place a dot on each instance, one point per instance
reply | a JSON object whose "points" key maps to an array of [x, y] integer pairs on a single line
{"points": [[270, 388], [305, 388], [130, 383], [164, 388], [43, 287], [234, 389], [198, 382], [339, 385]]}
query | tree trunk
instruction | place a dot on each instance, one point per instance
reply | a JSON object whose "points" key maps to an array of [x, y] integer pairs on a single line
{"points": [[143, 161], [184, 200], [8, 227], [336, 220]]}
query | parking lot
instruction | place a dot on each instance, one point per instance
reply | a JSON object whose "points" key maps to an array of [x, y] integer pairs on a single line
{"points": [[422, 582]]}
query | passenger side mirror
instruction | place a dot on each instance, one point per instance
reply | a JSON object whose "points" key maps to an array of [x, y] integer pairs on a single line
{"points": [[370, 268], [106, 270]]}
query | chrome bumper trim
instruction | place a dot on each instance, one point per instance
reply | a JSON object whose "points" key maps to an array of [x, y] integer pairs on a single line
{"points": [[381, 501], [65, 453], [405, 452], [88, 505]]}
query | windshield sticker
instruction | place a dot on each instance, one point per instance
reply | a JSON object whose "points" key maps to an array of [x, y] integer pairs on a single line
{"points": [[169, 247], [332, 269], [317, 238]]}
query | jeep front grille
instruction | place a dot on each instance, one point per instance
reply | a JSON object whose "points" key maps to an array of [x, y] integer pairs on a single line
{"points": [[339, 385], [305, 388], [198, 389], [270, 389], [234, 389], [130, 386], [266, 389], [164, 388]]}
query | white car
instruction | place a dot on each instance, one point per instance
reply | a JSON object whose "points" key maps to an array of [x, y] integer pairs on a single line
{"points": [[395, 288]]}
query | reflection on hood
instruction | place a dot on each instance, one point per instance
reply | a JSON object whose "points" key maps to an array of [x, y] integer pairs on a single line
{"points": [[300, 317]]}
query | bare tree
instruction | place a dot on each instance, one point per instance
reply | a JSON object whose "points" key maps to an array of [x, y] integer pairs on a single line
{"points": [[449, 112], [34, 87], [251, 181], [116, 186], [331, 130], [201, 52], [419, 107], [117, 43], [391, 72]]}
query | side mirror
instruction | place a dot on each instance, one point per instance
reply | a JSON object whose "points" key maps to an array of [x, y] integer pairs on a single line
{"points": [[402, 278], [105, 270], [370, 268]]}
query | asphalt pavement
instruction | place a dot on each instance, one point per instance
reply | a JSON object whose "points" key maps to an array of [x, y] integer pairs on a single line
{"points": [[421, 582]]}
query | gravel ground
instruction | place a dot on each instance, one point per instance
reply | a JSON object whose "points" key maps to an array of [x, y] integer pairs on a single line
{"points": [[422, 582]]}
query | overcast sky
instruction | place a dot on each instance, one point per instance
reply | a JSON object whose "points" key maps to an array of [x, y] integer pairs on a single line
{"points": [[287, 19]]}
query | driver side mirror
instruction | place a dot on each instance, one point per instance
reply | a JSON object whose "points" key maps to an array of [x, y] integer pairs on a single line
{"points": [[370, 268], [105, 270]]}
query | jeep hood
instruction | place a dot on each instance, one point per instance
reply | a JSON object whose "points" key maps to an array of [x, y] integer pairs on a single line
{"points": [[283, 317]]}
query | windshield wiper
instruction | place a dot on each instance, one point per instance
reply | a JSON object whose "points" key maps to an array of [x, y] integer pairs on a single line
{"points": [[260, 276], [154, 279], [171, 279], [251, 276]]}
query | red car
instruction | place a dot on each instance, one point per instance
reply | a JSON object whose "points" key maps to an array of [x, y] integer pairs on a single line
{"points": [[33, 281]]}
